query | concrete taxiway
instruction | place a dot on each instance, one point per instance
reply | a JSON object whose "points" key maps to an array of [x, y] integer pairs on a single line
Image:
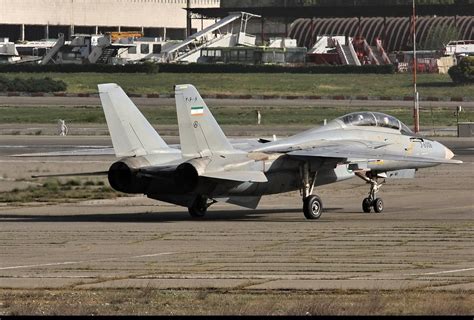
{"points": [[142, 102], [423, 240]]}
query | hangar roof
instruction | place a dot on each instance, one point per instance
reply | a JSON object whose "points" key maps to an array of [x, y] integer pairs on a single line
{"points": [[339, 8]]}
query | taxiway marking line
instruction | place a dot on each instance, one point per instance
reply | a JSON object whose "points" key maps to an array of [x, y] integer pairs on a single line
{"points": [[54, 161], [441, 272], [85, 261], [152, 255]]}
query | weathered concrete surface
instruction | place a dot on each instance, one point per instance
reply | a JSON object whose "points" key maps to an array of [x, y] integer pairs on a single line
{"points": [[424, 240]]}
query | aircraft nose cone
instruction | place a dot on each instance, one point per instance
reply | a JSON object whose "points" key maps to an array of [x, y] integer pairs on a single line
{"points": [[448, 153]]}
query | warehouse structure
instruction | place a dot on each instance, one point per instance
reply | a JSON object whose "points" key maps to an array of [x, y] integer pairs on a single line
{"points": [[42, 19], [396, 32], [389, 20]]}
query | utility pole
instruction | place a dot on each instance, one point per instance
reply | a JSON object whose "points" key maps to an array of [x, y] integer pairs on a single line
{"points": [[416, 107]]}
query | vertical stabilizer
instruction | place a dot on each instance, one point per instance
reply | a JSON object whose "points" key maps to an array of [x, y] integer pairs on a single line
{"points": [[199, 133], [131, 133]]}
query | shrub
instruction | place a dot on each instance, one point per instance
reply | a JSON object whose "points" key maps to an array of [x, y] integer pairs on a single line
{"points": [[463, 73], [147, 67], [32, 85], [244, 68], [151, 68]]}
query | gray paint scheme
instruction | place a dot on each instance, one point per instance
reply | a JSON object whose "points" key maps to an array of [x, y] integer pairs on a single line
{"points": [[368, 144]]}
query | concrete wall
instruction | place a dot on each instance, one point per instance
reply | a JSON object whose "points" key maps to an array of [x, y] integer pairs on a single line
{"points": [[140, 13], [133, 14]]}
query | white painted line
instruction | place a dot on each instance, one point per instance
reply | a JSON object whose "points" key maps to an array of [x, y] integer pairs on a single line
{"points": [[440, 272], [41, 265], [54, 161], [152, 255], [85, 261]]}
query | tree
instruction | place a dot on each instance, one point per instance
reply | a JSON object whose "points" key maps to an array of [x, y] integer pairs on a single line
{"points": [[463, 73]]}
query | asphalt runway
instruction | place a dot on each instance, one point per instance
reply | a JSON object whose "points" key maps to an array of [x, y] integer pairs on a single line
{"points": [[95, 101], [423, 240]]}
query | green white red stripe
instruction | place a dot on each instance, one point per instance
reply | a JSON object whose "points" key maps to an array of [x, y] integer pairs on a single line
{"points": [[197, 111]]}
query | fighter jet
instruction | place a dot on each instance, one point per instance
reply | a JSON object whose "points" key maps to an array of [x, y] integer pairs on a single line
{"points": [[208, 168]]}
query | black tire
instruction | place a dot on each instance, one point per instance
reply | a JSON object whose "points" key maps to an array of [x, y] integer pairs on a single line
{"points": [[199, 208], [378, 205], [367, 205], [312, 207]]}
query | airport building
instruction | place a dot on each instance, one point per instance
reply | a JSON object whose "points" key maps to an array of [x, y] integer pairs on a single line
{"points": [[302, 20], [43, 19], [390, 20], [238, 31]]}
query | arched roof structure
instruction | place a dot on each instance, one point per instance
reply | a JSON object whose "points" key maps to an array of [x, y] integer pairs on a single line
{"points": [[395, 32]]}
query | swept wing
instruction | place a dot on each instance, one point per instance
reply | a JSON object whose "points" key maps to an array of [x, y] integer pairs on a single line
{"points": [[353, 150]]}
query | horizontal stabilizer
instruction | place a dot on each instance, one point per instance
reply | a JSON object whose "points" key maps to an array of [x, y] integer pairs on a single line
{"points": [[241, 176], [70, 153], [77, 174]]}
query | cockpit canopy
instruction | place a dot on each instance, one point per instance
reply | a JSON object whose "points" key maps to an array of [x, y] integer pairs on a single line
{"points": [[375, 119]]}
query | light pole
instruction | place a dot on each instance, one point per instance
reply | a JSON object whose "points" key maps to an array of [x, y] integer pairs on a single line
{"points": [[416, 107], [458, 111]]}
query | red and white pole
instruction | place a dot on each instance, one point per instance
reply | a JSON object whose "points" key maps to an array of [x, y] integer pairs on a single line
{"points": [[416, 107]]}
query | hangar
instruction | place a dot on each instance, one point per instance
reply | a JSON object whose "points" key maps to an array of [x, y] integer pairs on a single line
{"points": [[42, 19], [388, 19]]}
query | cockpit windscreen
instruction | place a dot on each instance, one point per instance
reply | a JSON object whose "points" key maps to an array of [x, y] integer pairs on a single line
{"points": [[375, 119]]}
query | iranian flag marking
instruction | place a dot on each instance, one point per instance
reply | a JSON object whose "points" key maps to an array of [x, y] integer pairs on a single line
{"points": [[197, 111]]}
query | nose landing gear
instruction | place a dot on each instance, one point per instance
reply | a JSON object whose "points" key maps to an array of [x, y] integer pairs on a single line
{"points": [[312, 204], [312, 207], [372, 201]]}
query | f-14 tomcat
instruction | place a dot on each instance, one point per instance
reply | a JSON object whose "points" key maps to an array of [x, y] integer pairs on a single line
{"points": [[208, 168]]}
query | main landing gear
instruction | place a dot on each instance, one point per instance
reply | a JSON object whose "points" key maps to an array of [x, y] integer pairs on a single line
{"points": [[199, 207], [312, 204], [372, 201]]}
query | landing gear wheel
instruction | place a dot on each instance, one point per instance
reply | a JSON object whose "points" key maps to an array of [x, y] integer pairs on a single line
{"points": [[312, 207], [378, 205], [372, 200], [199, 207], [367, 205]]}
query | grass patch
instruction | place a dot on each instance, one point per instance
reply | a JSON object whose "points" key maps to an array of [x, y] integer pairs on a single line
{"points": [[56, 191], [151, 301], [232, 115], [393, 85], [51, 114]]}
